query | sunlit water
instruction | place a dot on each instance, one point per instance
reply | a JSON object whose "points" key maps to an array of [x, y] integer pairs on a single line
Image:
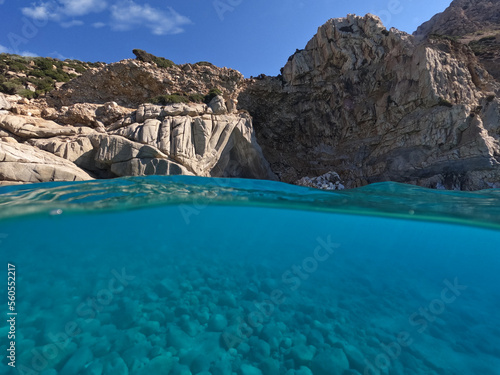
{"points": [[179, 275]]}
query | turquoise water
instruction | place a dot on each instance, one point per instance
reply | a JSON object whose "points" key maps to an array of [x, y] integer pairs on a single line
{"points": [[185, 275]]}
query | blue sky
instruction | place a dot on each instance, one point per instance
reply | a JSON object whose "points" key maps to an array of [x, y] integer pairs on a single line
{"points": [[253, 37]]}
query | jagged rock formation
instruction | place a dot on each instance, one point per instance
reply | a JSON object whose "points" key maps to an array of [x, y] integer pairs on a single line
{"points": [[376, 105], [472, 22], [463, 17], [133, 82], [110, 141]]}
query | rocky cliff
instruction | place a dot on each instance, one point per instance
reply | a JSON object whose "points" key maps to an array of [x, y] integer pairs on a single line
{"points": [[368, 103], [377, 105], [475, 23]]}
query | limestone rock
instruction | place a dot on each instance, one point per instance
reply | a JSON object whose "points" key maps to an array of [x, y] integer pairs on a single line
{"points": [[328, 181], [87, 114], [77, 149], [206, 145], [21, 163], [29, 127], [218, 105], [4, 103], [127, 158]]}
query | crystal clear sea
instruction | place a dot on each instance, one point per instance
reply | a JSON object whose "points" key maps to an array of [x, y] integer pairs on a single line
{"points": [[189, 275]]}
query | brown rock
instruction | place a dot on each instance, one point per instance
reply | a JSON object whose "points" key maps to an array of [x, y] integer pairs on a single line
{"points": [[376, 105]]}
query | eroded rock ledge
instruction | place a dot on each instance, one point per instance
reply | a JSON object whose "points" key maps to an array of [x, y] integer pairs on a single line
{"points": [[110, 141]]}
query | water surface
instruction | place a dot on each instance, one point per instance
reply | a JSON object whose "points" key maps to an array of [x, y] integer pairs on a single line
{"points": [[183, 275]]}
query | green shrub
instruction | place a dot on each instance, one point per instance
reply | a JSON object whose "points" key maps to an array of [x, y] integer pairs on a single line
{"points": [[196, 98], [488, 39], [44, 64], [451, 38], [41, 74], [17, 66], [27, 93], [161, 62], [204, 63], [11, 88], [212, 94], [79, 69], [169, 99]]}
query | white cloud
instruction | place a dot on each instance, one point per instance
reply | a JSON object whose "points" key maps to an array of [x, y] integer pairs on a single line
{"points": [[72, 23], [124, 15], [74, 8], [4, 49], [62, 9], [127, 15], [43, 11]]}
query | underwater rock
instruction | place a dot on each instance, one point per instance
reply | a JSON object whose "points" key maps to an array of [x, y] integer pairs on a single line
{"points": [[191, 327], [249, 370], [217, 323], [150, 327], [180, 370], [116, 366], [315, 338], [302, 354], [227, 299], [166, 287], [200, 363], [270, 366], [303, 370], [77, 361], [259, 349], [222, 367], [178, 338], [355, 357], [94, 368], [272, 335], [137, 351], [330, 362], [160, 365]]}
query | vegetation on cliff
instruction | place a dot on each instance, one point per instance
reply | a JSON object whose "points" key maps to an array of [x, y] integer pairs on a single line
{"points": [[33, 77]]}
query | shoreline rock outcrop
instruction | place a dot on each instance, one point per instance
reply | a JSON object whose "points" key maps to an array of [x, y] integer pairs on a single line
{"points": [[377, 105], [175, 139], [369, 103]]}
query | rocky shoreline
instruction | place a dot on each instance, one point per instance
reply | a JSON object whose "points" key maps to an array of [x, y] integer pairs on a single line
{"points": [[367, 103]]}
